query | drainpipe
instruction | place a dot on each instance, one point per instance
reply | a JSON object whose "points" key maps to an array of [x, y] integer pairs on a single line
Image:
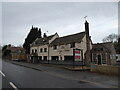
{"points": [[48, 53]]}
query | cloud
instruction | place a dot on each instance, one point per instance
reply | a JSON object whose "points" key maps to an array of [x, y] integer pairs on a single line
{"points": [[64, 18]]}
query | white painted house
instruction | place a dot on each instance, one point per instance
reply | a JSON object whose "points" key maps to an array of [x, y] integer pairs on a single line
{"points": [[61, 48]]}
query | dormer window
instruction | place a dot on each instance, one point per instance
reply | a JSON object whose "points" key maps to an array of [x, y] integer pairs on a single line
{"points": [[35, 43], [72, 45], [55, 47], [44, 40]]}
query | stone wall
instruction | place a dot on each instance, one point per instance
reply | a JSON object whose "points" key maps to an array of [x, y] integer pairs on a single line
{"points": [[107, 69]]}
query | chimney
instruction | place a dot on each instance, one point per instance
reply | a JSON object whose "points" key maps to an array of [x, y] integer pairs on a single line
{"points": [[44, 36], [32, 26], [87, 28], [88, 55]]}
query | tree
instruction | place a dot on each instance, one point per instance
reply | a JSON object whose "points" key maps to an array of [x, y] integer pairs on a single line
{"points": [[4, 48], [115, 39], [111, 38], [32, 35], [5, 51]]}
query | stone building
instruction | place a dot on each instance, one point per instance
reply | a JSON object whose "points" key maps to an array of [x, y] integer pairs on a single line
{"points": [[103, 54]]}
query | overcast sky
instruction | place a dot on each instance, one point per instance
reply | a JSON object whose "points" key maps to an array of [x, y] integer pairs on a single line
{"points": [[65, 18]]}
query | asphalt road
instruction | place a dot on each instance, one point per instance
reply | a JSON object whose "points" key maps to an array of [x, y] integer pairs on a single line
{"points": [[21, 77]]}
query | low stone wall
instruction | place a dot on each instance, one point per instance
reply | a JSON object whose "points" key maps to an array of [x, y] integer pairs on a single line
{"points": [[108, 70]]}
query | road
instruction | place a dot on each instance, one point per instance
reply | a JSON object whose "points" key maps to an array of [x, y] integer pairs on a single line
{"points": [[49, 77]]}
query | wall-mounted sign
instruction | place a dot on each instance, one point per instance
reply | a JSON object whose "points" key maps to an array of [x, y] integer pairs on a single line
{"points": [[77, 54]]}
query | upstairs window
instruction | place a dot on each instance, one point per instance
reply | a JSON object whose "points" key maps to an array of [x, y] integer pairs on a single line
{"points": [[35, 50], [72, 45], [98, 49], [55, 47], [32, 51], [35, 43], [41, 50], [45, 49]]}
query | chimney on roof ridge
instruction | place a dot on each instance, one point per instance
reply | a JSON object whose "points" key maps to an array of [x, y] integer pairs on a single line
{"points": [[44, 36], [32, 26], [87, 28]]}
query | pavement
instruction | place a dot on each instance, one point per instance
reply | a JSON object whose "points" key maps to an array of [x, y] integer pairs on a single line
{"points": [[55, 76], [36, 66]]}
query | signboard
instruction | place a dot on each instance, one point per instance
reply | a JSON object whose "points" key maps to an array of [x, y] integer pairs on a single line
{"points": [[77, 54]]}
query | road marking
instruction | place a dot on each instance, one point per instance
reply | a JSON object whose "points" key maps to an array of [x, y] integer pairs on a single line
{"points": [[13, 86], [99, 84], [2, 73]]}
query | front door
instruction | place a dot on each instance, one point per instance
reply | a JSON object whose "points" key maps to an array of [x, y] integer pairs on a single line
{"points": [[99, 59]]}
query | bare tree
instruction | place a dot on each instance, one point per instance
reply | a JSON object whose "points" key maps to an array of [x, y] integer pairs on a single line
{"points": [[111, 38]]}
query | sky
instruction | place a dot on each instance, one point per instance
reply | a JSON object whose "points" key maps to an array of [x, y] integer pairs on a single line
{"points": [[65, 18]]}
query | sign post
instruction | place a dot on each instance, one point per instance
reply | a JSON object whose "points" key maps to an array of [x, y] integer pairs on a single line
{"points": [[77, 53]]}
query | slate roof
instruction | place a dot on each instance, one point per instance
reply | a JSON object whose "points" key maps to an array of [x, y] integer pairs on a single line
{"points": [[42, 41], [108, 46], [69, 39]]}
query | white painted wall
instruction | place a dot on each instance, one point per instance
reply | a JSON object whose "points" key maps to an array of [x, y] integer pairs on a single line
{"points": [[62, 50]]}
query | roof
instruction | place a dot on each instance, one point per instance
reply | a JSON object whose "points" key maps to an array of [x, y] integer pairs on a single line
{"points": [[69, 39], [15, 49], [107, 45], [42, 41]]}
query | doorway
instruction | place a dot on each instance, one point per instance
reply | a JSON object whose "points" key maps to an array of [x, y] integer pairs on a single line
{"points": [[99, 59]]}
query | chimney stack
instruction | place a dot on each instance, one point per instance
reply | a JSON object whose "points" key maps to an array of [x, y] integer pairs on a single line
{"points": [[88, 55]]}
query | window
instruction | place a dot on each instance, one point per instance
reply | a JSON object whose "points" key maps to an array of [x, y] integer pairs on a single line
{"points": [[35, 50], [94, 59], [98, 49], [35, 43], [72, 44], [55, 47], [32, 51], [103, 58], [41, 50], [45, 49]]}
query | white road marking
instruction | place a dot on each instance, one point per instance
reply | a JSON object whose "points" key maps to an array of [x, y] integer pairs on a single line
{"points": [[13, 86], [2, 73]]}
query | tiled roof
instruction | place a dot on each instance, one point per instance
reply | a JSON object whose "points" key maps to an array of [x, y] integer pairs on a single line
{"points": [[108, 45], [42, 41], [69, 39]]}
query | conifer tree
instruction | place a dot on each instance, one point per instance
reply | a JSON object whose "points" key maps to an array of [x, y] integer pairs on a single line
{"points": [[32, 35]]}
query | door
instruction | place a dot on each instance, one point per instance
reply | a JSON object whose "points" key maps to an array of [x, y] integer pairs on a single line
{"points": [[55, 57], [99, 59], [45, 57]]}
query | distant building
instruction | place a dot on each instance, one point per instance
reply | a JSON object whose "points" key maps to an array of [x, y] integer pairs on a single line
{"points": [[16, 53], [61, 48]]}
